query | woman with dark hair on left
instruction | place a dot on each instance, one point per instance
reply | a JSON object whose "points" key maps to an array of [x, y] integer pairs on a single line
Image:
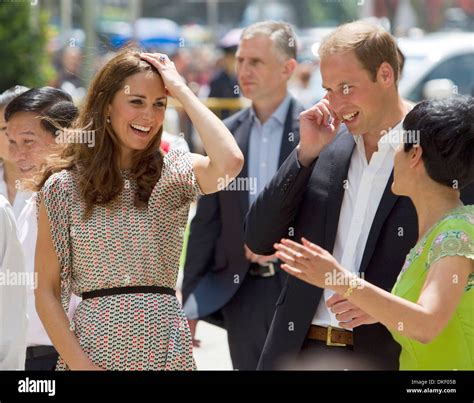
{"points": [[112, 216]]}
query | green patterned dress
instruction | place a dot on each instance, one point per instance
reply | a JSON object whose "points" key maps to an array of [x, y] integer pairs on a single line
{"points": [[453, 235]]}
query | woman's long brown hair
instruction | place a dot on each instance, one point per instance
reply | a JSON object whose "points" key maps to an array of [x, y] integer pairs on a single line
{"points": [[98, 168]]}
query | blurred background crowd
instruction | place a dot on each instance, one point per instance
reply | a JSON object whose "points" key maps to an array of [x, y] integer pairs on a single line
{"points": [[63, 43]]}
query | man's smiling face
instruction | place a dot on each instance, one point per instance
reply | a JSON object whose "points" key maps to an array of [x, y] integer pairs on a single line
{"points": [[353, 96]]}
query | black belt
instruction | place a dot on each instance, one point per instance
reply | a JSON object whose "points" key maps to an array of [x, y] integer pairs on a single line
{"points": [[268, 269], [39, 351], [141, 289]]}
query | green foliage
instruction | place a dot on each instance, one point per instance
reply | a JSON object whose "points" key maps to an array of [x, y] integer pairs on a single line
{"points": [[23, 38]]}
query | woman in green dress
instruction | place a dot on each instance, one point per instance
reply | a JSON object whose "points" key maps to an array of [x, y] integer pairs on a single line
{"points": [[430, 310]]}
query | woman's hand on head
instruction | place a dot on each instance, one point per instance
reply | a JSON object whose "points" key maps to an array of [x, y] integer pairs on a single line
{"points": [[172, 79]]}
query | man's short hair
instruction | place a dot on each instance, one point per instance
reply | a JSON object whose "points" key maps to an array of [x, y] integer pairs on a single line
{"points": [[371, 44], [280, 33]]}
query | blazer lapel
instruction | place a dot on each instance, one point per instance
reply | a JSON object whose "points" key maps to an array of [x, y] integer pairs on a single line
{"points": [[290, 136]]}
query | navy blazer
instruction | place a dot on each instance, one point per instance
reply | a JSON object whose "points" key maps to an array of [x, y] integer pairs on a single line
{"points": [[308, 200], [215, 260]]}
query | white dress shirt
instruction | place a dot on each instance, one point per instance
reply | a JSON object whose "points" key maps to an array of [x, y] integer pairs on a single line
{"points": [[364, 188], [28, 230], [13, 288], [21, 195]]}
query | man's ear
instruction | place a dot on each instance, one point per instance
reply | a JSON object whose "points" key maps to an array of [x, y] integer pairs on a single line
{"points": [[385, 74], [289, 67]]}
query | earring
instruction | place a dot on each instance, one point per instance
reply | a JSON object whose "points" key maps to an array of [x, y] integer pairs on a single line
{"points": [[108, 119]]}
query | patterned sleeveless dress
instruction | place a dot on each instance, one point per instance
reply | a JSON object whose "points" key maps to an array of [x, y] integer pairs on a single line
{"points": [[118, 246]]}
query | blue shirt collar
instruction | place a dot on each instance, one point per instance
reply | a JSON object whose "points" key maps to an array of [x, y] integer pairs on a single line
{"points": [[280, 112]]}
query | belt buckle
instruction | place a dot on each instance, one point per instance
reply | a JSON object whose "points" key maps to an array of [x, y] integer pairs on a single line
{"points": [[271, 269], [329, 341]]}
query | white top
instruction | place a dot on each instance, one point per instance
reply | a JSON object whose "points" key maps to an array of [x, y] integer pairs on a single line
{"points": [[21, 195], [364, 188], [13, 318], [28, 230]]}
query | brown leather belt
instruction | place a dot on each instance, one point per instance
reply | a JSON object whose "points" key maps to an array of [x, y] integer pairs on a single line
{"points": [[332, 336]]}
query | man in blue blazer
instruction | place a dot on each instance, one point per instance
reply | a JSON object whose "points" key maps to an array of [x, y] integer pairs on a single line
{"points": [[223, 281]]}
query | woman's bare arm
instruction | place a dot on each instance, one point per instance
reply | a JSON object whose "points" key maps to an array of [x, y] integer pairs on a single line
{"points": [[48, 299], [425, 319], [422, 320]]}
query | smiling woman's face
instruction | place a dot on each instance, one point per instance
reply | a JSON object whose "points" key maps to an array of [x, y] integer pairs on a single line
{"points": [[29, 142], [137, 111]]}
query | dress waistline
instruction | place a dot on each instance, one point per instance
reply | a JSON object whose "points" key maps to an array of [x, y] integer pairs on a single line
{"points": [[142, 289]]}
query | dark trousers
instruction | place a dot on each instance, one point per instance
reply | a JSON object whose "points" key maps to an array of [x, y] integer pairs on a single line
{"points": [[316, 355], [41, 358], [247, 318]]}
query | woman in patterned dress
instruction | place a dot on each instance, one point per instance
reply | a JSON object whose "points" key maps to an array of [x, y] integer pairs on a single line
{"points": [[112, 213], [430, 310]]}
